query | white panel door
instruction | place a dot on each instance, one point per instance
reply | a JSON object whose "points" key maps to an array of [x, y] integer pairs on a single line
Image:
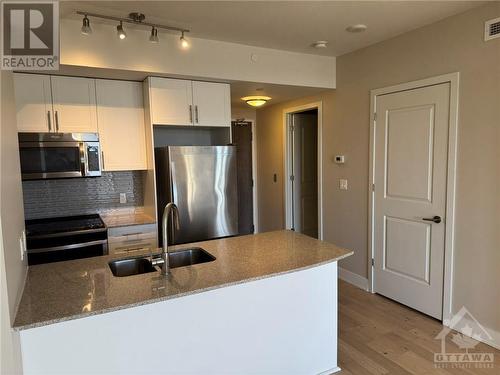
{"points": [[33, 103], [411, 143], [120, 114], [212, 104], [170, 101], [74, 104]]}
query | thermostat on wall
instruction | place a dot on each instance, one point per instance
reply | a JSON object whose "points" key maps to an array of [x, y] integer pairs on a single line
{"points": [[339, 159]]}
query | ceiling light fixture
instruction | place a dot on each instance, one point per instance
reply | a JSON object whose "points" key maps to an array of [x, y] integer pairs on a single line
{"points": [[119, 30], [256, 100], [86, 30], [135, 18], [184, 42], [320, 44], [358, 28], [154, 35]]}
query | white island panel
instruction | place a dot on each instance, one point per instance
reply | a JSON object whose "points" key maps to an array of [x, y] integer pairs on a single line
{"points": [[284, 324]]}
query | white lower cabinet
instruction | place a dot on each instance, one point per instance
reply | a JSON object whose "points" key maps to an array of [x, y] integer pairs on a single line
{"points": [[132, 239], [120, 114]]}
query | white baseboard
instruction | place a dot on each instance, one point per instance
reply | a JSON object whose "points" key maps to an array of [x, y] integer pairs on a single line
{"points": [[495, 335], [353, 278], [331, 371]]}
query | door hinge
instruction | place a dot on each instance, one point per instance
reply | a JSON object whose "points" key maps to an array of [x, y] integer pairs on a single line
{"points": [[251, 183], [373, 262], [373, 187], [292, 127], [253, 228], [375, 116], [292, 178]]}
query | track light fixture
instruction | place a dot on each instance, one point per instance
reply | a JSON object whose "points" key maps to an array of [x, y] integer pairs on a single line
{"points": [[86, 30], [136, 19], [119, 30], [154, 35], [184, 42]]}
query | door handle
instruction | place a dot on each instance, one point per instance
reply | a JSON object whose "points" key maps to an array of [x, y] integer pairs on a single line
{"points": [[49, 122], [190, 113], [435, 219], [196, 113], [57, 122]]}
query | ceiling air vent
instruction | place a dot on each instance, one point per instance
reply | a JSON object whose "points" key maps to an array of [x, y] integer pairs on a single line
{"points": [[492, 29]]}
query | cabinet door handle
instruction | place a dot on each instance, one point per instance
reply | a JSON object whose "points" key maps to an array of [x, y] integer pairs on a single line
{"points": [[190, 113], [57, 122], [196, 113], [102, 159], [49, 122]]}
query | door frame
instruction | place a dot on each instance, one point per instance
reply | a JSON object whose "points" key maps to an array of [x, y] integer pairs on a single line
{"points": [[255, 192], [287, 183], [453, 79]]}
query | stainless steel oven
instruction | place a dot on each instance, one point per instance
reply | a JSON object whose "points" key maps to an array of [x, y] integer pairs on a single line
{"points": [[59, 155]]}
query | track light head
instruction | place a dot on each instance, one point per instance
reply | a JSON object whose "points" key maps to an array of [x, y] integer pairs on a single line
{"points": [[86, 30], [119, 30], [184, 42], [154, 35]]}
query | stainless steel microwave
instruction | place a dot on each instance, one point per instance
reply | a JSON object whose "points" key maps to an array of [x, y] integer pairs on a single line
{"points": [[59, 155]]}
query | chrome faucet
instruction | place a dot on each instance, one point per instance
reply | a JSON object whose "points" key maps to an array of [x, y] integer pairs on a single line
{"points": [[163, 261]]}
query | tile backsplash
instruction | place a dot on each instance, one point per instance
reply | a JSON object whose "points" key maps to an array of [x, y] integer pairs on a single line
{"points": [[78, 196]]}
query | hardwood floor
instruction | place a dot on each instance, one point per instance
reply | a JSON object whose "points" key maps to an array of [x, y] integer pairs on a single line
{"points": [[379, 336]]}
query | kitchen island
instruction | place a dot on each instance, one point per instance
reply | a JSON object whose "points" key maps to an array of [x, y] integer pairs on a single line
{"points": [[267, 304]]}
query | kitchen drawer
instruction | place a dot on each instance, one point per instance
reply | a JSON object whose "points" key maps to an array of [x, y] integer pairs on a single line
{"points": [[132, 247], [132, 230]]}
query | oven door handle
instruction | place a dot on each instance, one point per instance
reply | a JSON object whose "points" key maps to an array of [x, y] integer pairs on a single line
{"points": [[67, 247]]}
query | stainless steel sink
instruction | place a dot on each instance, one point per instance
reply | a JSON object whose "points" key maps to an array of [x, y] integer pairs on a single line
{"points": [[131, 266], [180, 258], [188, 257]]}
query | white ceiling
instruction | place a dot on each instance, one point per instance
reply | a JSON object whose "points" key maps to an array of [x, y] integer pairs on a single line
{"points": [[285, 25]]}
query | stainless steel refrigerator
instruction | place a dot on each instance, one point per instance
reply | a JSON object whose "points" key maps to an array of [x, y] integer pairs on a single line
{"points": [[201, 181]]}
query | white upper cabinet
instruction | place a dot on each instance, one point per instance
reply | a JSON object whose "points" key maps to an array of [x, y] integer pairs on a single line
{"points": [[33, 103], [74, 104], [183, 102], [170, 101], [212, 104], [120, 117]]}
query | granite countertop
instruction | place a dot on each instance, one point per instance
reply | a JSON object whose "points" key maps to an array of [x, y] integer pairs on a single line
{"points": [[57, 292], [123, 219]]}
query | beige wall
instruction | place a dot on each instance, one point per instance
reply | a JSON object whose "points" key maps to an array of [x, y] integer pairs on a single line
{"points": [[454, 44], [13, 270], [205, 59]]}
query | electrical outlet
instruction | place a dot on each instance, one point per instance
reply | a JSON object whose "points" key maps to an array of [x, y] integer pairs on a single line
{"points": [[343, 184], [123, 198]]}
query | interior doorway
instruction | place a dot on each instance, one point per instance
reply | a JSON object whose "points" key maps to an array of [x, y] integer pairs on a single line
{"points": [[303, 166], [413, 155], [242, 138]]}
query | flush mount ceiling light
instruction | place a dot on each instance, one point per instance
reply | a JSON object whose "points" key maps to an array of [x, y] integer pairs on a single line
{"points": [[86, 30], [120, 32], [358, 28], [135, 18], [256, 100], [320, 44]]}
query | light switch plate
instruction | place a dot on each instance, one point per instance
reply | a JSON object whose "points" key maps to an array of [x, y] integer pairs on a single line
{"points": [[342, 184], [123, 198], [22, 244]]}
